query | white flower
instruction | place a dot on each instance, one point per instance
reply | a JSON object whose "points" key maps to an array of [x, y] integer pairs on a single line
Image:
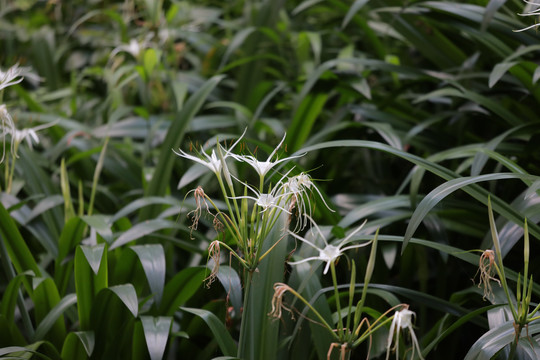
{"points": [[300, 186], [134, 48], [262, 167], [266, 201], [28, 134], [329, 253], [402, 320], [15, 75], [531, 9], [213, 162]]}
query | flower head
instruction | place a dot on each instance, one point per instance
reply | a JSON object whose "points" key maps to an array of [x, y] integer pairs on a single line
{"points": [[15, 75], [263, 167], [266, 201], [402, 320], [212, 161], [531, 9], [300, 186], [18, 136], [329, 253], [134, 48]]}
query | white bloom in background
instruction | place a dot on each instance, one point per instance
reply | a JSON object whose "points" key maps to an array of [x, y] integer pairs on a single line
{"points": [[212, 161], [134, 48], [329, 253], [28, 134], [15, 75], [262, 167], [402, 320]]}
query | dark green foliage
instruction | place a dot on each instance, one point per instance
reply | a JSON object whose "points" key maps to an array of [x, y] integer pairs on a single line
{"points": [[413, 114]]}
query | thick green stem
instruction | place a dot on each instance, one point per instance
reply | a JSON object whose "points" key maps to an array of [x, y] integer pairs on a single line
{"points": [[338, 305], [245, 317]]}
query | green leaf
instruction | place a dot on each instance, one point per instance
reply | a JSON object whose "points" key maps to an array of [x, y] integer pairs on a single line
{"points": [[54, 316], [496, 339], [88, 283], [145, 201], [236, 42], [100, 224], [150, 61], [71, 236], [474, 190], [48, 310], [439, 193], [127, 294], [355, 7], [94, 255], [19, 254], [156, 333], [152, 258], [143, 229], [230, 280], [181, 288], [78, 345], [498, 71], [220, 332], [10, 295], [259, 332], [304, 119]]}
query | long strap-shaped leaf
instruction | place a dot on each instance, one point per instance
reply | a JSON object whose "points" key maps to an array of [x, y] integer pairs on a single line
{"points": [[220, 332], [18, 252], [477, 192], [440, 192]]}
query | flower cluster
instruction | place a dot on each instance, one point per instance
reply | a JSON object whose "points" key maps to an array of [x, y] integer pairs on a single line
{"points": [[12, 76], [402, 321], [253, 212]]}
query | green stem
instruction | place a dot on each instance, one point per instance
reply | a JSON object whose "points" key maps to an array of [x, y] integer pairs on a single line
{"points": [[338, 305], [245, 317], [513, 346], [97, 173], [319, 316]]}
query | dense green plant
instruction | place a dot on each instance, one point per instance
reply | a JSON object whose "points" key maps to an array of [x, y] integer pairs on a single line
{"points": [[387, 108]]}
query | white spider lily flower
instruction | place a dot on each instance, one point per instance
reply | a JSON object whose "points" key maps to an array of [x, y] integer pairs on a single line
{"points": [[402, 320], [329, 253], [15, 75], [266, 201], [300, 186], [134, 48], [212, 161], [531, 9], [28, 134], [263, 167]]}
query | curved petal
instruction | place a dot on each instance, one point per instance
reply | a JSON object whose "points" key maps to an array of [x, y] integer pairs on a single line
{"points": [[303, 240], [303, 260]]}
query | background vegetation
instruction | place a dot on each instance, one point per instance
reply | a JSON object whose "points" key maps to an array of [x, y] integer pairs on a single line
{"points": [[412, 113]]}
